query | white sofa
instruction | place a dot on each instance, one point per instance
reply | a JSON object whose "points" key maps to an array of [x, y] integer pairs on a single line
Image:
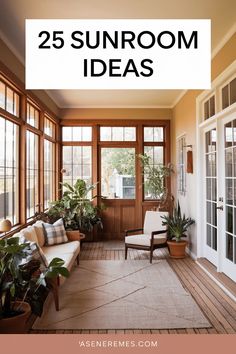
{"points": [[68, 251]]}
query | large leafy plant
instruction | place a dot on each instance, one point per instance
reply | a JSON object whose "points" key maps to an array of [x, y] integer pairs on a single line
{"points": [[177, 224], [22, 277], [76, 208]]}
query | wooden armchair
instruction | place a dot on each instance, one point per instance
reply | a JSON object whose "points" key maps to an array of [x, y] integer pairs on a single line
{"points": [[153, 235]]}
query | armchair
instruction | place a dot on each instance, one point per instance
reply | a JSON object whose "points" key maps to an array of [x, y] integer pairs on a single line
{"points": [[154, 234]]}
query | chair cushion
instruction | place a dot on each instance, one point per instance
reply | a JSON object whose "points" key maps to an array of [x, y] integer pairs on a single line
{"points": [[40, 233], [145, 240], [55, 233], [153, 221]]}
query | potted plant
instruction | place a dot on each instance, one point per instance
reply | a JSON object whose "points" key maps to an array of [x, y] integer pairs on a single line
{"points": [[23, 283], [177, 225], [154, 181], [76, 208]]}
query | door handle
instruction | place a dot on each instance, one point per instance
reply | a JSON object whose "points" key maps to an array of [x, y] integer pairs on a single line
{"points": [[220, 207]]}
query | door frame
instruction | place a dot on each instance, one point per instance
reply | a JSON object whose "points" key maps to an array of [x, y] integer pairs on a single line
{"points": [[218, 121]]}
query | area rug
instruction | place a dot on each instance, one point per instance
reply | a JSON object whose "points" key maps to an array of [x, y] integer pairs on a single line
{"points": [[123, 295]]}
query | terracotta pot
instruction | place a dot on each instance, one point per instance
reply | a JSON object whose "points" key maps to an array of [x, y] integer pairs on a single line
{"points": [[73, 235], [16, 324], [177, 249]]}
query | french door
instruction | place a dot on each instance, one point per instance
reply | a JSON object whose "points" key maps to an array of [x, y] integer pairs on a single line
{"points": [[220, 194]]}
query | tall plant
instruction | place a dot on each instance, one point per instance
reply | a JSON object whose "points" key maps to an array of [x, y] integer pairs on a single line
{"points": [[154, 177], [76, 208]]}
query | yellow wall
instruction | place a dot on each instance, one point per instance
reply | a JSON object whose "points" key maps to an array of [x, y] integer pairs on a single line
{"points": [[184, 122]]}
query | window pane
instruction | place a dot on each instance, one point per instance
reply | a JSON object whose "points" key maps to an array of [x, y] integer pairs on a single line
{"points": [[156, 154], [9, 171], [117, 133], [225, 97], [77, 163], [233, 91], [9, 99], [77, 133], [49, 127], [32, 171], [2, 95], [32, 115], [49, 172], [153, 134], [118, 173]]}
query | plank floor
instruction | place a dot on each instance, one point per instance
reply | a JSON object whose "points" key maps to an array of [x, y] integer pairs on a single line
{"points": [[219, 308]]}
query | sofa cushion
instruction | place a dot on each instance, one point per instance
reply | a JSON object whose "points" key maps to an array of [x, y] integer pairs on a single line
{"points": [[145, 240], [40, 233], [29, 234], [55, 233], [58, 250]]}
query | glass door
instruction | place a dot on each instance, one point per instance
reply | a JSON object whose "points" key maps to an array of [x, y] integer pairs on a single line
{"points": [[211, 222], [228, 252]]}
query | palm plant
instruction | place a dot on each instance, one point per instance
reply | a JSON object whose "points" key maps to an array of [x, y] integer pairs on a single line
{"points": [[177, 224]]}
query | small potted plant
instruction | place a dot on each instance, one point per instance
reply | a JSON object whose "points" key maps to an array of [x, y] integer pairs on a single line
{"points": [[23, 283], [177, 225]]}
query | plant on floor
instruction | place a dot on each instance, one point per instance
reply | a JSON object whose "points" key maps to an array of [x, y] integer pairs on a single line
{"points": [[76, 208], [177, 225], [22, 278], [154, 179]]}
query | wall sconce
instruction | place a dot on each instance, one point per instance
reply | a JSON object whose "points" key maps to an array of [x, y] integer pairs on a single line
{"points": [[189, 168]]}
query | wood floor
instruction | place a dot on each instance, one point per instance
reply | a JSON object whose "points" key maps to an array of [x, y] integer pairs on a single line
{"points": [[216, 305]]}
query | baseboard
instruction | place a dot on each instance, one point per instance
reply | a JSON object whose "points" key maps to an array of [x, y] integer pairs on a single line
{"points": [[226, 291], [191, 254]]}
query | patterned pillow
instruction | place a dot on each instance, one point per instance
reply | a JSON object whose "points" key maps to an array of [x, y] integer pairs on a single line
{"points": [[55, 233]]}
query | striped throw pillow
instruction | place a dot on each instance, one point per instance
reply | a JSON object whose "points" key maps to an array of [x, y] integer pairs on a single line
{"points": [[55, 233]]}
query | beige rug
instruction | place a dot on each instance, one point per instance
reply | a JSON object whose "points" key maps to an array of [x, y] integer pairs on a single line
{"points": [[122, 295]]}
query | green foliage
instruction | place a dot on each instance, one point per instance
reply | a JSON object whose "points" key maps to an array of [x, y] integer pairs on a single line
{"points": [[154, 177], [76, 208], [120, 159], [177, 224], [21, 277]]}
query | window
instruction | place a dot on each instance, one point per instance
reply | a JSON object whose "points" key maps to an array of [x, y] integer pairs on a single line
{"points": [[209, 108], [9, 171], [118, 173], [77, 163], [153, 134], [49, 172], [32, 115], [77, 133], [49, 127], [154, 148], [9, 99], [32, 173], [229, 94], [117, 134], [181, 173]]}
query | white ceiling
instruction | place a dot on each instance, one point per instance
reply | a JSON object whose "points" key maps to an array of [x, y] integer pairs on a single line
{"points": [[14, 12]]}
